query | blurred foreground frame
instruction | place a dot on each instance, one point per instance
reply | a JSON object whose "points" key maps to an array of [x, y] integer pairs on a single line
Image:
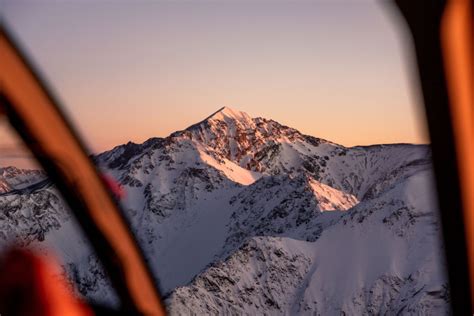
{"points": [[35, 114], [442, 39]]}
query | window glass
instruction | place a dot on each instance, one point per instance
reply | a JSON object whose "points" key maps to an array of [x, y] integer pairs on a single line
{"points": [[273, 156]]}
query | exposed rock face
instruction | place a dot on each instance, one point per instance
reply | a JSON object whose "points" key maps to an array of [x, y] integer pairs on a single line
{"points": [[29, 217], [241, 215]]}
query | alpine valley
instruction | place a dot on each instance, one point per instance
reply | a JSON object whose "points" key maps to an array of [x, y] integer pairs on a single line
{"points": [[241, 215]]}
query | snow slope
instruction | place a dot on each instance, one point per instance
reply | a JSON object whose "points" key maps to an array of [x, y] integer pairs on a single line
{"points": [[374, 259]]}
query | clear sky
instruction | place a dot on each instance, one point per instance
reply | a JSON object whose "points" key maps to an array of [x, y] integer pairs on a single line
{"points": [[130, 70]]}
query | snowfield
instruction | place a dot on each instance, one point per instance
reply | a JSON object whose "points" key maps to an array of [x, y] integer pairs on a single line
{"points": [[241, 215]]}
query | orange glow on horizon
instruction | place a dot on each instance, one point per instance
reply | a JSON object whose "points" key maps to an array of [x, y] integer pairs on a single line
{"points": [[142, 70]]}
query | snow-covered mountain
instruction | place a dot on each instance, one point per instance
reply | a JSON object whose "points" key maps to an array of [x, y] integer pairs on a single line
{"points": [[12, 178], [242, 215]]}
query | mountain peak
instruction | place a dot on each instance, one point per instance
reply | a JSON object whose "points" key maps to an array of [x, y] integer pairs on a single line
{"points": [[226, 113]]}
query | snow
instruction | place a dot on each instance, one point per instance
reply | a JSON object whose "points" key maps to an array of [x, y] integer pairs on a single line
{"points": [[330, 198], [241, 215], [231, 170], [190, 250], [354, 267], [12, 178]]}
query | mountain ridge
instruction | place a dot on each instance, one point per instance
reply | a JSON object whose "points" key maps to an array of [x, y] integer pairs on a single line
{"points": [[230, 109], [255, 217]]}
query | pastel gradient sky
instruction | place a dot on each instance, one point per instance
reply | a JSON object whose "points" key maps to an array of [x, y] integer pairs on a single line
{"points": [[130, 70]]}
